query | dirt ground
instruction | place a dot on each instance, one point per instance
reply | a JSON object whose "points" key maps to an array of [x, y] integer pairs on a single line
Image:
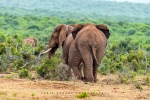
{"points": [[13, 88]]}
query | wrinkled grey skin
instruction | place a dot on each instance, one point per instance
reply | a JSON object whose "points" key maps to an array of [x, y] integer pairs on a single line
{"points": [[88, 47]]}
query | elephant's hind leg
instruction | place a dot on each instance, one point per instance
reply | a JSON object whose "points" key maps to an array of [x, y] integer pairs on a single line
{"points": [[100, 54], [95, 67], [88, 62]]}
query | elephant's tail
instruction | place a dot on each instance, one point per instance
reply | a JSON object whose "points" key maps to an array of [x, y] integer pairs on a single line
{"points": [[94, 55]]}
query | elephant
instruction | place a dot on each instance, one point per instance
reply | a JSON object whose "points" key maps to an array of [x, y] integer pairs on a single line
{"points": [[30, 41], [61, 37], [89, 45]]}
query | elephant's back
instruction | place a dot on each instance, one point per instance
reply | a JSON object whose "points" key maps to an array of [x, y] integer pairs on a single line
{"points": [[91, 35]]}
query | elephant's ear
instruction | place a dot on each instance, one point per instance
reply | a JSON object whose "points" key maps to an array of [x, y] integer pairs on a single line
{"points": [[62, 34], [104, 29], [76, 29], [56, 29]]}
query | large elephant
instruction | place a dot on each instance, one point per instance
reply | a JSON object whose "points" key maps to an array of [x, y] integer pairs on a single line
{"points": [[89, 47], [30, 41]]}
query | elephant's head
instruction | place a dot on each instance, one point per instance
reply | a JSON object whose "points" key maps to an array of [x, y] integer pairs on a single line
{"points": [[101, 27], [57, 39]]}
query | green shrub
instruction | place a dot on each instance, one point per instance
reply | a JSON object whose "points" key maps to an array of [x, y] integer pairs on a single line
{"points": [[141, 72], [137, 86], [2, 48], [103, 69], [18, 63], [147, 47], [131, 31], [24, 73], [82, 95], [2, 38], [146, 81], [34, 27], [38, 49], [26, 56], [126, 77], [48, 68], [33, 94], [4, 63]]}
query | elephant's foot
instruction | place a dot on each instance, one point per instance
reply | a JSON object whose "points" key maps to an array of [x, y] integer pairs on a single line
{"points": [[83, 78], [95, 80], [91, 83], [86, 81], [77, 77], [90, 79]]}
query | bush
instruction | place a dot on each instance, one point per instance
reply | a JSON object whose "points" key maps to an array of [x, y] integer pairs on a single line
{"points": [[38, 49], [137, 86], [146, 81], [2, 38], [82, 95], [62, 72], [147, 47], [4, 63], [34, 27], [131, 31], [24, 73], [2, 48], [126, 77], [48, 68], [18, 63]]}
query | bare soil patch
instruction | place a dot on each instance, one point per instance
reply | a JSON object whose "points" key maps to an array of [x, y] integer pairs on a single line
{"points": [[13, 88]]}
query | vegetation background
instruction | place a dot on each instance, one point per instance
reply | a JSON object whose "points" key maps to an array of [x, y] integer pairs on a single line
{"points": [[128, 50]]}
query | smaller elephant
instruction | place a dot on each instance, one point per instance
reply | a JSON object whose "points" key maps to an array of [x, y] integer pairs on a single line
{"points": [[30, 41], [88, 47], [62, 37]]}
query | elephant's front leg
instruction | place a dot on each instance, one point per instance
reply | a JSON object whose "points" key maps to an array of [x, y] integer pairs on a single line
{"points": [[75, 68], [69, 72], [80, 69], [74, 62]]}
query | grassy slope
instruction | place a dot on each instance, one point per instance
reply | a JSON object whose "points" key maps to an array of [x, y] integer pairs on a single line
{"points": [[84, 7]]}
